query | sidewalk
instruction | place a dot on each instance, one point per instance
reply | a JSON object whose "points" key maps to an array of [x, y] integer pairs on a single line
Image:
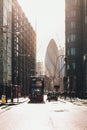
{"points": [[76, 101], [16, 101]]}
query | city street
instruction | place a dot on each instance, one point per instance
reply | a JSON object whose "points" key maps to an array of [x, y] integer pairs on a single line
{"points": [[43, 57], [60, 115]]}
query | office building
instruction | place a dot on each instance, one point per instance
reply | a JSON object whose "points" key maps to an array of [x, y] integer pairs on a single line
{"points": [[17, 48], [23, 49], [76, 46]]}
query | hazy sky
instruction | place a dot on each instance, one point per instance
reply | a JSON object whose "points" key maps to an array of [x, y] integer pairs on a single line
{"points": [[47, 17]]}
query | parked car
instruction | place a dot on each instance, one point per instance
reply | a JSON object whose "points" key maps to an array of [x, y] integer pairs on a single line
{"points": [[52, 96]]}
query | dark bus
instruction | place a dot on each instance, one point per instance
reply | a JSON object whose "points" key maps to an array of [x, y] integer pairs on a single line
{"points": [[36, 89]]}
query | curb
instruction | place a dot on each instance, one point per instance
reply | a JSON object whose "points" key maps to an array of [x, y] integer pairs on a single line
{"points": [[13, 103]]}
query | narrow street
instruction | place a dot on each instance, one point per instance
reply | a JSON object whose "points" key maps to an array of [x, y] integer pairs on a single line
{"points": [[60, 115]]}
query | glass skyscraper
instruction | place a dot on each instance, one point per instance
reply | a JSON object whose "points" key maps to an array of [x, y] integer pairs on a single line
{"points": [[17, 49]]}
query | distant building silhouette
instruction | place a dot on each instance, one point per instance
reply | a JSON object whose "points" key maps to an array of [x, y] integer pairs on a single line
{"points": [[54, 64]]}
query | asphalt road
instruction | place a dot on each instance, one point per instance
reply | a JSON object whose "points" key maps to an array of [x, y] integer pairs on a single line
{"points": [[53, 115]]}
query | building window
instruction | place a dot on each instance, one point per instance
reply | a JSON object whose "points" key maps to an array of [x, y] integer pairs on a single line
{"points": [[73, 2], [72, 37], [72, 51], [78, 2], [72, 24], [68, 39], [73, 13], [68, 67], [73, 66], [68, 52]]}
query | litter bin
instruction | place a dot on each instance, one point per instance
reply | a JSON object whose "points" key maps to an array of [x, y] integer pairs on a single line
{"points": [[3, 98]]}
